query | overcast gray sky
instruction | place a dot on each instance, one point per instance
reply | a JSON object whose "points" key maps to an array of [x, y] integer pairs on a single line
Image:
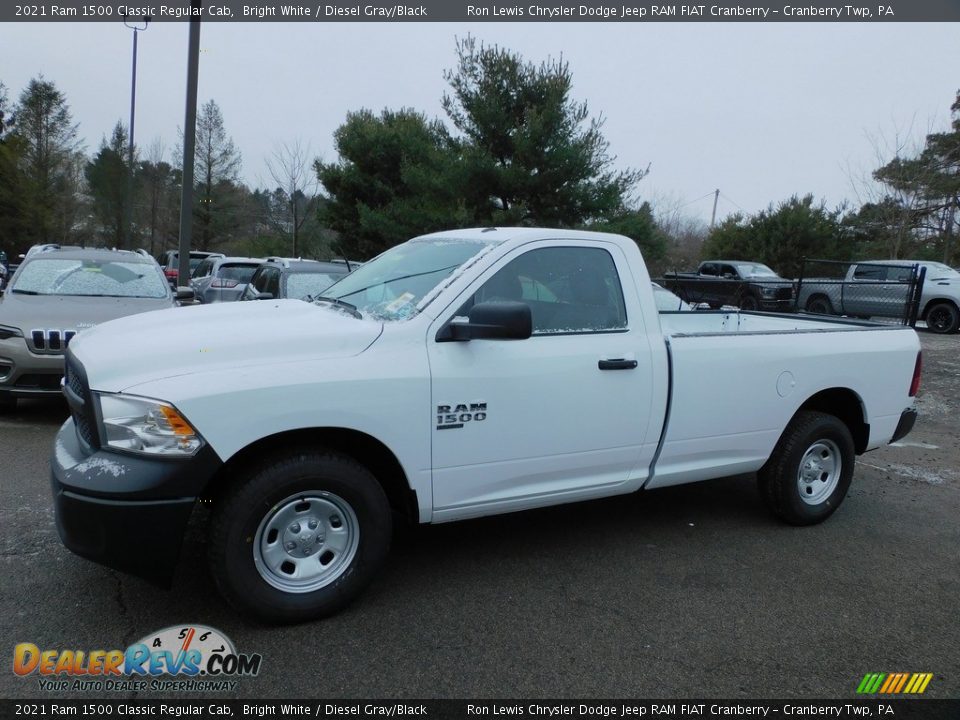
{"points": [[760, 111]]}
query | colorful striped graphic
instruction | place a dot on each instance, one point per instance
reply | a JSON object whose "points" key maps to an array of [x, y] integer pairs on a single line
{"points": [[894, 683]]}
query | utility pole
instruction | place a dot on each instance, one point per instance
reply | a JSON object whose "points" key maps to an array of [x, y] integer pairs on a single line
{"points": [[128, 220], [189, 142], [713, 215]]}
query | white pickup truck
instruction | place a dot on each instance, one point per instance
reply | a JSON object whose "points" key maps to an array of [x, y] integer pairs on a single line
{"points": [[461, 374]]}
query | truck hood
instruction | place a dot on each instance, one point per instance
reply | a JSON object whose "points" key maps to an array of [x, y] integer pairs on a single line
{"points": [[120, 354]]}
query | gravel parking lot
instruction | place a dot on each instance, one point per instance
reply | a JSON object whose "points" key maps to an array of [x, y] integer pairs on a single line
{"points": [[684, 592]]}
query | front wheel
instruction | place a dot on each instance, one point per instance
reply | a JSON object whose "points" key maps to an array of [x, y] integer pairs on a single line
{"points": [[8, 403], [749, 303], [809, 472], [299, 536], [943, 318]]}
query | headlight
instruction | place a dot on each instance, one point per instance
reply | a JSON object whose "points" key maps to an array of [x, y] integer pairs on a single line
{"points": [[7, 332], [145, 426], [768, 291]]}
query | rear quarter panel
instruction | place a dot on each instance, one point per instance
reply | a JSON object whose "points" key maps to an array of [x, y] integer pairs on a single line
{"points": [[734, 393]]}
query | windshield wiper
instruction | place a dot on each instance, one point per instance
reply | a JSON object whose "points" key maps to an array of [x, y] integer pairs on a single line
{"points": [[352, 309], [26, 292], [402, 277]]}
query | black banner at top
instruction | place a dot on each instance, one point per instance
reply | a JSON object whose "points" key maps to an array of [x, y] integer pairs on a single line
{"points": [[861, 11]]}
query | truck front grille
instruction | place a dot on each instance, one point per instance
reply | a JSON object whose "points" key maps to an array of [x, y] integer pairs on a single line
{"points": [[84, 418]]}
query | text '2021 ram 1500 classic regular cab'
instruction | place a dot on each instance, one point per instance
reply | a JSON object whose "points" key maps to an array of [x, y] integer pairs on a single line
{"points": [[460, 374]]}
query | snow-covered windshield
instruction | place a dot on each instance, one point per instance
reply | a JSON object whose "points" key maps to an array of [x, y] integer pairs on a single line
{"points": [[755, 270], [60, 276], [390, 286], [939, 271]]}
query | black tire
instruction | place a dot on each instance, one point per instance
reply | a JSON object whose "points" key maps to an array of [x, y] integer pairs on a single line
{"points": [[791, 488], [311, 478], [8, 404], [820, 305], [943, 318], [749, 303]]}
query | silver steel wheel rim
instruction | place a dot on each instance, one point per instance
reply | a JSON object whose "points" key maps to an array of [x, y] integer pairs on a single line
{"points": [[306, 541], [819, 472]]}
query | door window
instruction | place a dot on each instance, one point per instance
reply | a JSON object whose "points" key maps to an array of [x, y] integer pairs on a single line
{"points": [[870, 272], [568, 290], [272, 282], [203, 269]]}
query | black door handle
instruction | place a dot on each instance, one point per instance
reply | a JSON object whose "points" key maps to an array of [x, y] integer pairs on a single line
{"points": [[617, 364]]}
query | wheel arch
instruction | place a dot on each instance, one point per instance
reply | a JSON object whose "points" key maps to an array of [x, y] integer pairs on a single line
{"points": [[817, 295], [847, 406], [936, 301], [364, 448]]}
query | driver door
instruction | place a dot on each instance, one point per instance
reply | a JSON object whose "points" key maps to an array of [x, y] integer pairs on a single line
{"points": [[559, 416]]}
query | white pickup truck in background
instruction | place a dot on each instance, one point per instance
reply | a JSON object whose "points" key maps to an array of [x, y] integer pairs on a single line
{"points": [[884, 288], [461, 374]]}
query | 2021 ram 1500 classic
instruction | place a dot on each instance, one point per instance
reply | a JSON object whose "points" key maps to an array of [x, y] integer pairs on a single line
{"points": [[460, 374]]}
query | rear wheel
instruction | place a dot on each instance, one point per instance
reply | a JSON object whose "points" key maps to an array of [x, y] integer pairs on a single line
{"points": [[820, 305], [943, 318], [300, 536], [810, 470]]}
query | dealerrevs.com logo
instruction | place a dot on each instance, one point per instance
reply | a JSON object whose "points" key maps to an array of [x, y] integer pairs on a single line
{"points": [[181, 658]]}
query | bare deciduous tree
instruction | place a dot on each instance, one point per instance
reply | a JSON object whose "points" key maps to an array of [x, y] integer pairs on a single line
{"points": [[291, 168]]}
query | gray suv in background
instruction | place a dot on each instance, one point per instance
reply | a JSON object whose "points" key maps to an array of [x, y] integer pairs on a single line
{"points": [[294, 279], [223, 279], [58, 292], [170, 264]]}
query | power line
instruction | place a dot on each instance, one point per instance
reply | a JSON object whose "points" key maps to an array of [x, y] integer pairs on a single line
{"points": [[702, 197], [730, 200]]}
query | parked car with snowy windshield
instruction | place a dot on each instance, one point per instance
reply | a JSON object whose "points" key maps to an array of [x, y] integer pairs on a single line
{"points": [[59, 292]]}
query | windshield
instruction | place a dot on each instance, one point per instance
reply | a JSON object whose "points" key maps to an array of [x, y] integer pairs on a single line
{"points": [[59, 276], [755, 270], [939, 271], [300, 285], [390, 286]]}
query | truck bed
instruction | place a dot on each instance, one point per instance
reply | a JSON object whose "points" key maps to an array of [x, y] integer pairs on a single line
{"points": [[737, 378]]}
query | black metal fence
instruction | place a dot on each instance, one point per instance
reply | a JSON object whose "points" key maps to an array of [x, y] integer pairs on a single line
{"points": [[883, 291]]}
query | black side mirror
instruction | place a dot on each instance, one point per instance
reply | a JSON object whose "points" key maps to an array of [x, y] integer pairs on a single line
{"points": [[499, 320], [264, 296], [184, 294]]}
